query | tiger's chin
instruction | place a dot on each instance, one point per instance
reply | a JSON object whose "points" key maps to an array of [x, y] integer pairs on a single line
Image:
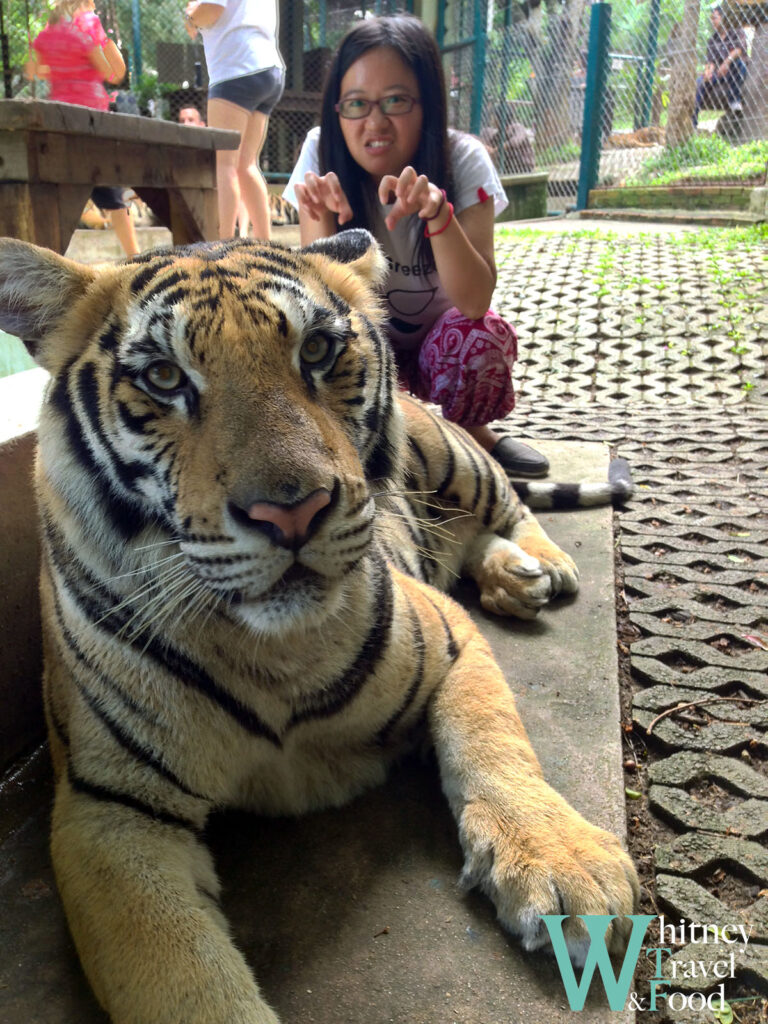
{"points": [[300, 599]]}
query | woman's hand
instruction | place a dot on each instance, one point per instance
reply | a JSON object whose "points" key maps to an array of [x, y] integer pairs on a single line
{"points": [[413, 192], [321, 193]]}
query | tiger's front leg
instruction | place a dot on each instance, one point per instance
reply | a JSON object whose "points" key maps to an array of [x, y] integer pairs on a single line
{"points": [[140, 897], [517, 567], [524, 845]]}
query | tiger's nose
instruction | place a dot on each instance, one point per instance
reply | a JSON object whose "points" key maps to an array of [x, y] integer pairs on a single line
{"points": [[288, 526]]}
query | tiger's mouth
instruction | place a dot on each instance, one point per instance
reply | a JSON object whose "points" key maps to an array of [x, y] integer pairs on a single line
{"points": [[298, 581], [297, 574]]}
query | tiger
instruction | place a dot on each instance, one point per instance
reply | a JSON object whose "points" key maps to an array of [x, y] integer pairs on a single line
{"points": [[247, 535], [281, 211]]}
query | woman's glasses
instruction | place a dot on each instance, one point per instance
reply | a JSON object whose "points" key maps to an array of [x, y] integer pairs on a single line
{"points": [[391, 106]]}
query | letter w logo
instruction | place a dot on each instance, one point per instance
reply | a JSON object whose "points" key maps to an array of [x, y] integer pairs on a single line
{"points": [[616, 989]]}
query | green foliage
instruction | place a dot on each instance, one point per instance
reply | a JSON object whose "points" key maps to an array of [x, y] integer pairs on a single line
{"points": [[566, 153], [13, 356], [629, 28], [705, 157], [146, 89], [519, 83], [19, 35], [710, 240]]}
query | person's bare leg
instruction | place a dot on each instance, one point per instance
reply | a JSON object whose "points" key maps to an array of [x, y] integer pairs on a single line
{"points": [[253, 187], [243, 220], [223, 114], [484, 436], [123, 227]]}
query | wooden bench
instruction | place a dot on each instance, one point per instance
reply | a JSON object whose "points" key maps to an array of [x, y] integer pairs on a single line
{"points": [[52, 154]]}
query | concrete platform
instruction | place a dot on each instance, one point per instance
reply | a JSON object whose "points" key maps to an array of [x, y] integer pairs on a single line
{"points": [[354, 915], [92, 246]]}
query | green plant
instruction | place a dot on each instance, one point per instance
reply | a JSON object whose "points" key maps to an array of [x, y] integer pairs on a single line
{"points": [[705, 157], [146, 89], [564, 154]]}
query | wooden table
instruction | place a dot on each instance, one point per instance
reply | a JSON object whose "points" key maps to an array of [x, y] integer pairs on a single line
{"points": [[52, 154]]}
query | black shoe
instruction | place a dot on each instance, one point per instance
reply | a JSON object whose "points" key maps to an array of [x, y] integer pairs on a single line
{"points": [[517, 459]]}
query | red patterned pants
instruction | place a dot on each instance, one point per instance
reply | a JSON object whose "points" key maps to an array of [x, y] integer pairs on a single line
{"points": [[465, 366]]}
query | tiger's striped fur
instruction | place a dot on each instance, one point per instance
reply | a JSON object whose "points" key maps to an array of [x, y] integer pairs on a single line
{"points": [[281, 211], [243, 532]]}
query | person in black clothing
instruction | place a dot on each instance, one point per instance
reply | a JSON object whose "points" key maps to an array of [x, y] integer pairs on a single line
{"points": [[719, 87]]}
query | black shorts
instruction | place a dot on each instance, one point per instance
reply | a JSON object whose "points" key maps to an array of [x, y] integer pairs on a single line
{"points": [[108, 198], [260, 91]]}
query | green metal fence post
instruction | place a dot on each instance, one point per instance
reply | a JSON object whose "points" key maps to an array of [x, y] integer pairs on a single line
{"points": [[136, 24], [592, 126], [6, 55], [647, 69], [478, 66]]}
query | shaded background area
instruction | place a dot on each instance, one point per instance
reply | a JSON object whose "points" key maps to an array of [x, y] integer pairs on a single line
{"points": [[516, 74]]}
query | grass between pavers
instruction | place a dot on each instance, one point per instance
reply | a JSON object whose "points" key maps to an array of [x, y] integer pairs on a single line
{"points": [[692, 304], [731, 263], [723, 239]]}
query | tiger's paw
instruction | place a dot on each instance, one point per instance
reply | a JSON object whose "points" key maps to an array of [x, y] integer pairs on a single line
{"points": [[559, 566], [517, 581], [511, 582], [553, 863]]}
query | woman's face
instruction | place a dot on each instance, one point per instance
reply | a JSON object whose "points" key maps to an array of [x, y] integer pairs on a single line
{"points": [[381, 144]]}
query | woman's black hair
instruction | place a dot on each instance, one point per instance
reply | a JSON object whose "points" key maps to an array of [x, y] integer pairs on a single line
{"points": [[417, 48]]}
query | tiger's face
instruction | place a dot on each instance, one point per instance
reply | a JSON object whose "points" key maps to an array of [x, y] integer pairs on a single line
{"points": [[234, 402]]}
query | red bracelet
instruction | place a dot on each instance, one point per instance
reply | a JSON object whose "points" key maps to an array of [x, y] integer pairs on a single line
{"points": [[442, 203], [431, 234]]}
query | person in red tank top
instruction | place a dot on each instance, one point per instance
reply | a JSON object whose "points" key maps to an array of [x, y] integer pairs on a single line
{"points": [[75, 55]]}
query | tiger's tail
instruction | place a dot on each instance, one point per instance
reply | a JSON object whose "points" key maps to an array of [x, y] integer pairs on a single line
{"points": [[617, 489]]}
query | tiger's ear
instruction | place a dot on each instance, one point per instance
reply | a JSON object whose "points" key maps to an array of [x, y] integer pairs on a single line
{"points": [[356, 248], [37, 287]]}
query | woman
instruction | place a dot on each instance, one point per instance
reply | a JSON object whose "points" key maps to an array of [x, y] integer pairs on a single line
{"points": [[75, 55], [246, 77], [383, 159]]}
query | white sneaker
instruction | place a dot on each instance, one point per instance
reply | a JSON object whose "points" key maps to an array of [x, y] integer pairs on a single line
{"points": [[736, 106]]}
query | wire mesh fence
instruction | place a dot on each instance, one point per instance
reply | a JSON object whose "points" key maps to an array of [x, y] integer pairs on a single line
{"points": [[685, 98], [516, 75]]}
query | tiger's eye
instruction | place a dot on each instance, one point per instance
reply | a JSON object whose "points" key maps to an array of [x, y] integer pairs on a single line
{"points": [[315, 349], [164, 376]]}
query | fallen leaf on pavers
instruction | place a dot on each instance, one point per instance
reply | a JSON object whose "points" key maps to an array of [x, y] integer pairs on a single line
{"points": [[756, 639]]}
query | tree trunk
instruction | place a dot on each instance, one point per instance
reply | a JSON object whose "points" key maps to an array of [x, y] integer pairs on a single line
{"points": [[553, 63], [682, 99]]}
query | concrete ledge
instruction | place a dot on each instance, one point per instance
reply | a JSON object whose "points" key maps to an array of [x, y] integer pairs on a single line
{"points": [[670, 215], [21, 723], [681, 197], [527, 195], [88, 245], [354, 914]]}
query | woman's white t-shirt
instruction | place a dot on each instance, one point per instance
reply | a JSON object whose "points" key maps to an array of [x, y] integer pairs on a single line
{"points": [[242, 41], [415, 297]]}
